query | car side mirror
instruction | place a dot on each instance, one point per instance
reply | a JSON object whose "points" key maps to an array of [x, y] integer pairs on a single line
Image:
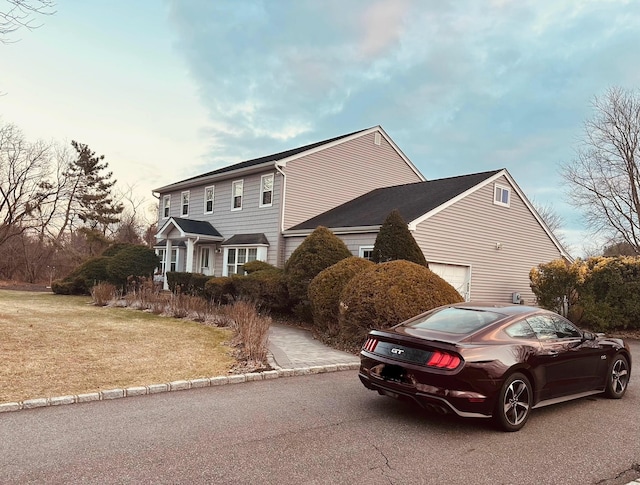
{"points": [[588, 336]]}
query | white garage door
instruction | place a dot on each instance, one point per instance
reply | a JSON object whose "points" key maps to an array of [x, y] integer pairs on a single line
{"points": [[457, 276]]}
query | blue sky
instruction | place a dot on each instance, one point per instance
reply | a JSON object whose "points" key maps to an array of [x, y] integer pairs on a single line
{"points": [[168, 90]]}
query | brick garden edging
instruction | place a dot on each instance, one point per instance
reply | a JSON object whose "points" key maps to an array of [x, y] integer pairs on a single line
{"points": [[173, 386]]}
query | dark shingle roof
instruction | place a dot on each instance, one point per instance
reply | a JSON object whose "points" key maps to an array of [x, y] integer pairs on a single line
{"points": [[268, 158], [241, 239], [197, 227], [412, 200]]}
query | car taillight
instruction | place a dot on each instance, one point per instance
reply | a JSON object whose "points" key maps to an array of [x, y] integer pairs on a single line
{"points": [[443, 360], [370, 345]]}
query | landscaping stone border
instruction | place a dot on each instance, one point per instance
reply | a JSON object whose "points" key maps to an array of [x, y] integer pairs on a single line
{"points": [[181, 385]]}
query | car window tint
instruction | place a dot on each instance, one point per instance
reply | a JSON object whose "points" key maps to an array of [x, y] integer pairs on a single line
{"points": [[456, 320], [565, 328], [521, 329], [543, 326]]}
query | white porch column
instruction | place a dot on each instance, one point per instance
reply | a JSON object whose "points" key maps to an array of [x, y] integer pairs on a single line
{"points": [[167, 264], [190, 251]]}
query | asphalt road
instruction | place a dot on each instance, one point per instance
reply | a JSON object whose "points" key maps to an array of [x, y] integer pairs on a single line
{"points": [[320, 429]]}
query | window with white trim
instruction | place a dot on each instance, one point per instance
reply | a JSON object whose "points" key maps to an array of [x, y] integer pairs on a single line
{"points": [[185, 203], [166, 206], [237, 257], [162, 254], [236, 195], [208, 200], [266, 190], [174, 260], [502, 195], [366, 252]]}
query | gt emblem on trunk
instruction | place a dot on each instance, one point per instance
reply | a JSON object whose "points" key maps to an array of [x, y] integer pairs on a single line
{"points": [[397, 351]]}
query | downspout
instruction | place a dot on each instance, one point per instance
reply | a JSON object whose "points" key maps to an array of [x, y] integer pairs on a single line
{"points": [[280, 259]]}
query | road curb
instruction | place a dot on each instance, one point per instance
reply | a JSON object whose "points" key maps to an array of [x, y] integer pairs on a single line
{"points": [[180, 385]]}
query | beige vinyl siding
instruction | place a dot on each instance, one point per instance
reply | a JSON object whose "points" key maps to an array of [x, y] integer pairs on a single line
{"points": [[327, 178], [467, 232]]}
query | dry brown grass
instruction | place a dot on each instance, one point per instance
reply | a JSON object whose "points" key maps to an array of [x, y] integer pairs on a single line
{"points": [[52, 345]]}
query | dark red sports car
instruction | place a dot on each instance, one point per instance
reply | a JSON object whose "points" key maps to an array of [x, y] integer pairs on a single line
{"points": [[486, 360]]}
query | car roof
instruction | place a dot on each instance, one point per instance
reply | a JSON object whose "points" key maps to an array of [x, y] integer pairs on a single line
{"points": [[503, 308]]}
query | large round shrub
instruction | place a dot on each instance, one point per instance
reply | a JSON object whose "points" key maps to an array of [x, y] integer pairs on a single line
{"points": [[266, 287], [318, 251], [220, 289], [325, 290], [82, 279], [395, 241], [135, 260], [387, 295]]}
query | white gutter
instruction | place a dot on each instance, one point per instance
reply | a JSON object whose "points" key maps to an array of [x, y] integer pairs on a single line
{"points": [[284, 189]]}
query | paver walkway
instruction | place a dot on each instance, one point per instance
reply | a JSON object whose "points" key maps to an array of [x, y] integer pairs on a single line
{"points": [[293, 348]]}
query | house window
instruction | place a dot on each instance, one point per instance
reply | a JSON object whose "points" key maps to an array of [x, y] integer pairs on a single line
{"points": [[162, 254], [208, 200], [174, 260], [236, 194], [204, 260], [237, 257], [166, 205], [502, 195], [185, 203], [366, 252], [266, 190]]}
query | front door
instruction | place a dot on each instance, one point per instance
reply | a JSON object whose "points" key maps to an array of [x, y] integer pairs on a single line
{"points": [[206, 260]]}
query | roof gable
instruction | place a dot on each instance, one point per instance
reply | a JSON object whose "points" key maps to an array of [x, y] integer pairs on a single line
{"points": [[411, 200], [283, 157], [189, 227]]}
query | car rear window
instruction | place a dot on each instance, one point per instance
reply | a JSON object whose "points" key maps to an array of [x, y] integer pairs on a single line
{"points": [[456, 320]]}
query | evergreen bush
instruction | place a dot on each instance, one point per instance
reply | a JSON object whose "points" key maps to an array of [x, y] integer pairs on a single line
{"points": [[325, 290], [318, 251], [556, 284], [220, 289], [134, 260], [395, 241], [387, 295], [266, 288]]}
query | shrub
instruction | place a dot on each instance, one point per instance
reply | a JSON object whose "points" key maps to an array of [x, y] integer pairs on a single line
{"points": [[389, 294], [266, 287], [178, 281], [556, 283], [251, 331], [318, 251], [115, 248], [83, 278], [220, 290], [325, 290], [395, 241], [253, 266], [133, 260], [103, 293], [610, 294]]}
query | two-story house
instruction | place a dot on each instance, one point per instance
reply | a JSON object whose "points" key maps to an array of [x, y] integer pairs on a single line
{"points": [[478, 231]]}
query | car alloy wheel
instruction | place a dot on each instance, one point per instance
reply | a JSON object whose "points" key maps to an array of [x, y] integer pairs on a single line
{"points": [[514, 403], [618, 377]]}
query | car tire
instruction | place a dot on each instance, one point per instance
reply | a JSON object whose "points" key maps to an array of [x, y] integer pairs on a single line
{"points": [[514, 403], [617, 377]]}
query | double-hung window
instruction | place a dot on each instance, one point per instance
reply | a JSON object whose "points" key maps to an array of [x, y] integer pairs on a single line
{"points": [[185, 203], [236, 195], [208, 200], [166, 206], [502, 195], [237, 257], [266, 190], [366, 252]]}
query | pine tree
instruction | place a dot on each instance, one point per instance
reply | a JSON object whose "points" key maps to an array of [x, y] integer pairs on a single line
{"points": [[95, 205], [395, 241]]}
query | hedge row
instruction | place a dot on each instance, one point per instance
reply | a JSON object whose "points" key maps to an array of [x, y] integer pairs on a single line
{"points": [[603, 293]]}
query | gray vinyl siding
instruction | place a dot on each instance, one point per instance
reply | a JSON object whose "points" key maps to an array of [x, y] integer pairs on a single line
{"points": [[250, 219], [466, 233], [327, 178], [353, 242]]}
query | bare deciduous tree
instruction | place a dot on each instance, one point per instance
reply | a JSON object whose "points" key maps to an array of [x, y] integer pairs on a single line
{"points": [[17, 14], [604, 178], [23, 167]]}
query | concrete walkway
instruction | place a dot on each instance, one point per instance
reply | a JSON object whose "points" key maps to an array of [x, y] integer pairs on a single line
{"points": [[295, 348]]}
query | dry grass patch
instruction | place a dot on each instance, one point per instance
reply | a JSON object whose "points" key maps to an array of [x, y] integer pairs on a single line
{"points": [[54, 345]]}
